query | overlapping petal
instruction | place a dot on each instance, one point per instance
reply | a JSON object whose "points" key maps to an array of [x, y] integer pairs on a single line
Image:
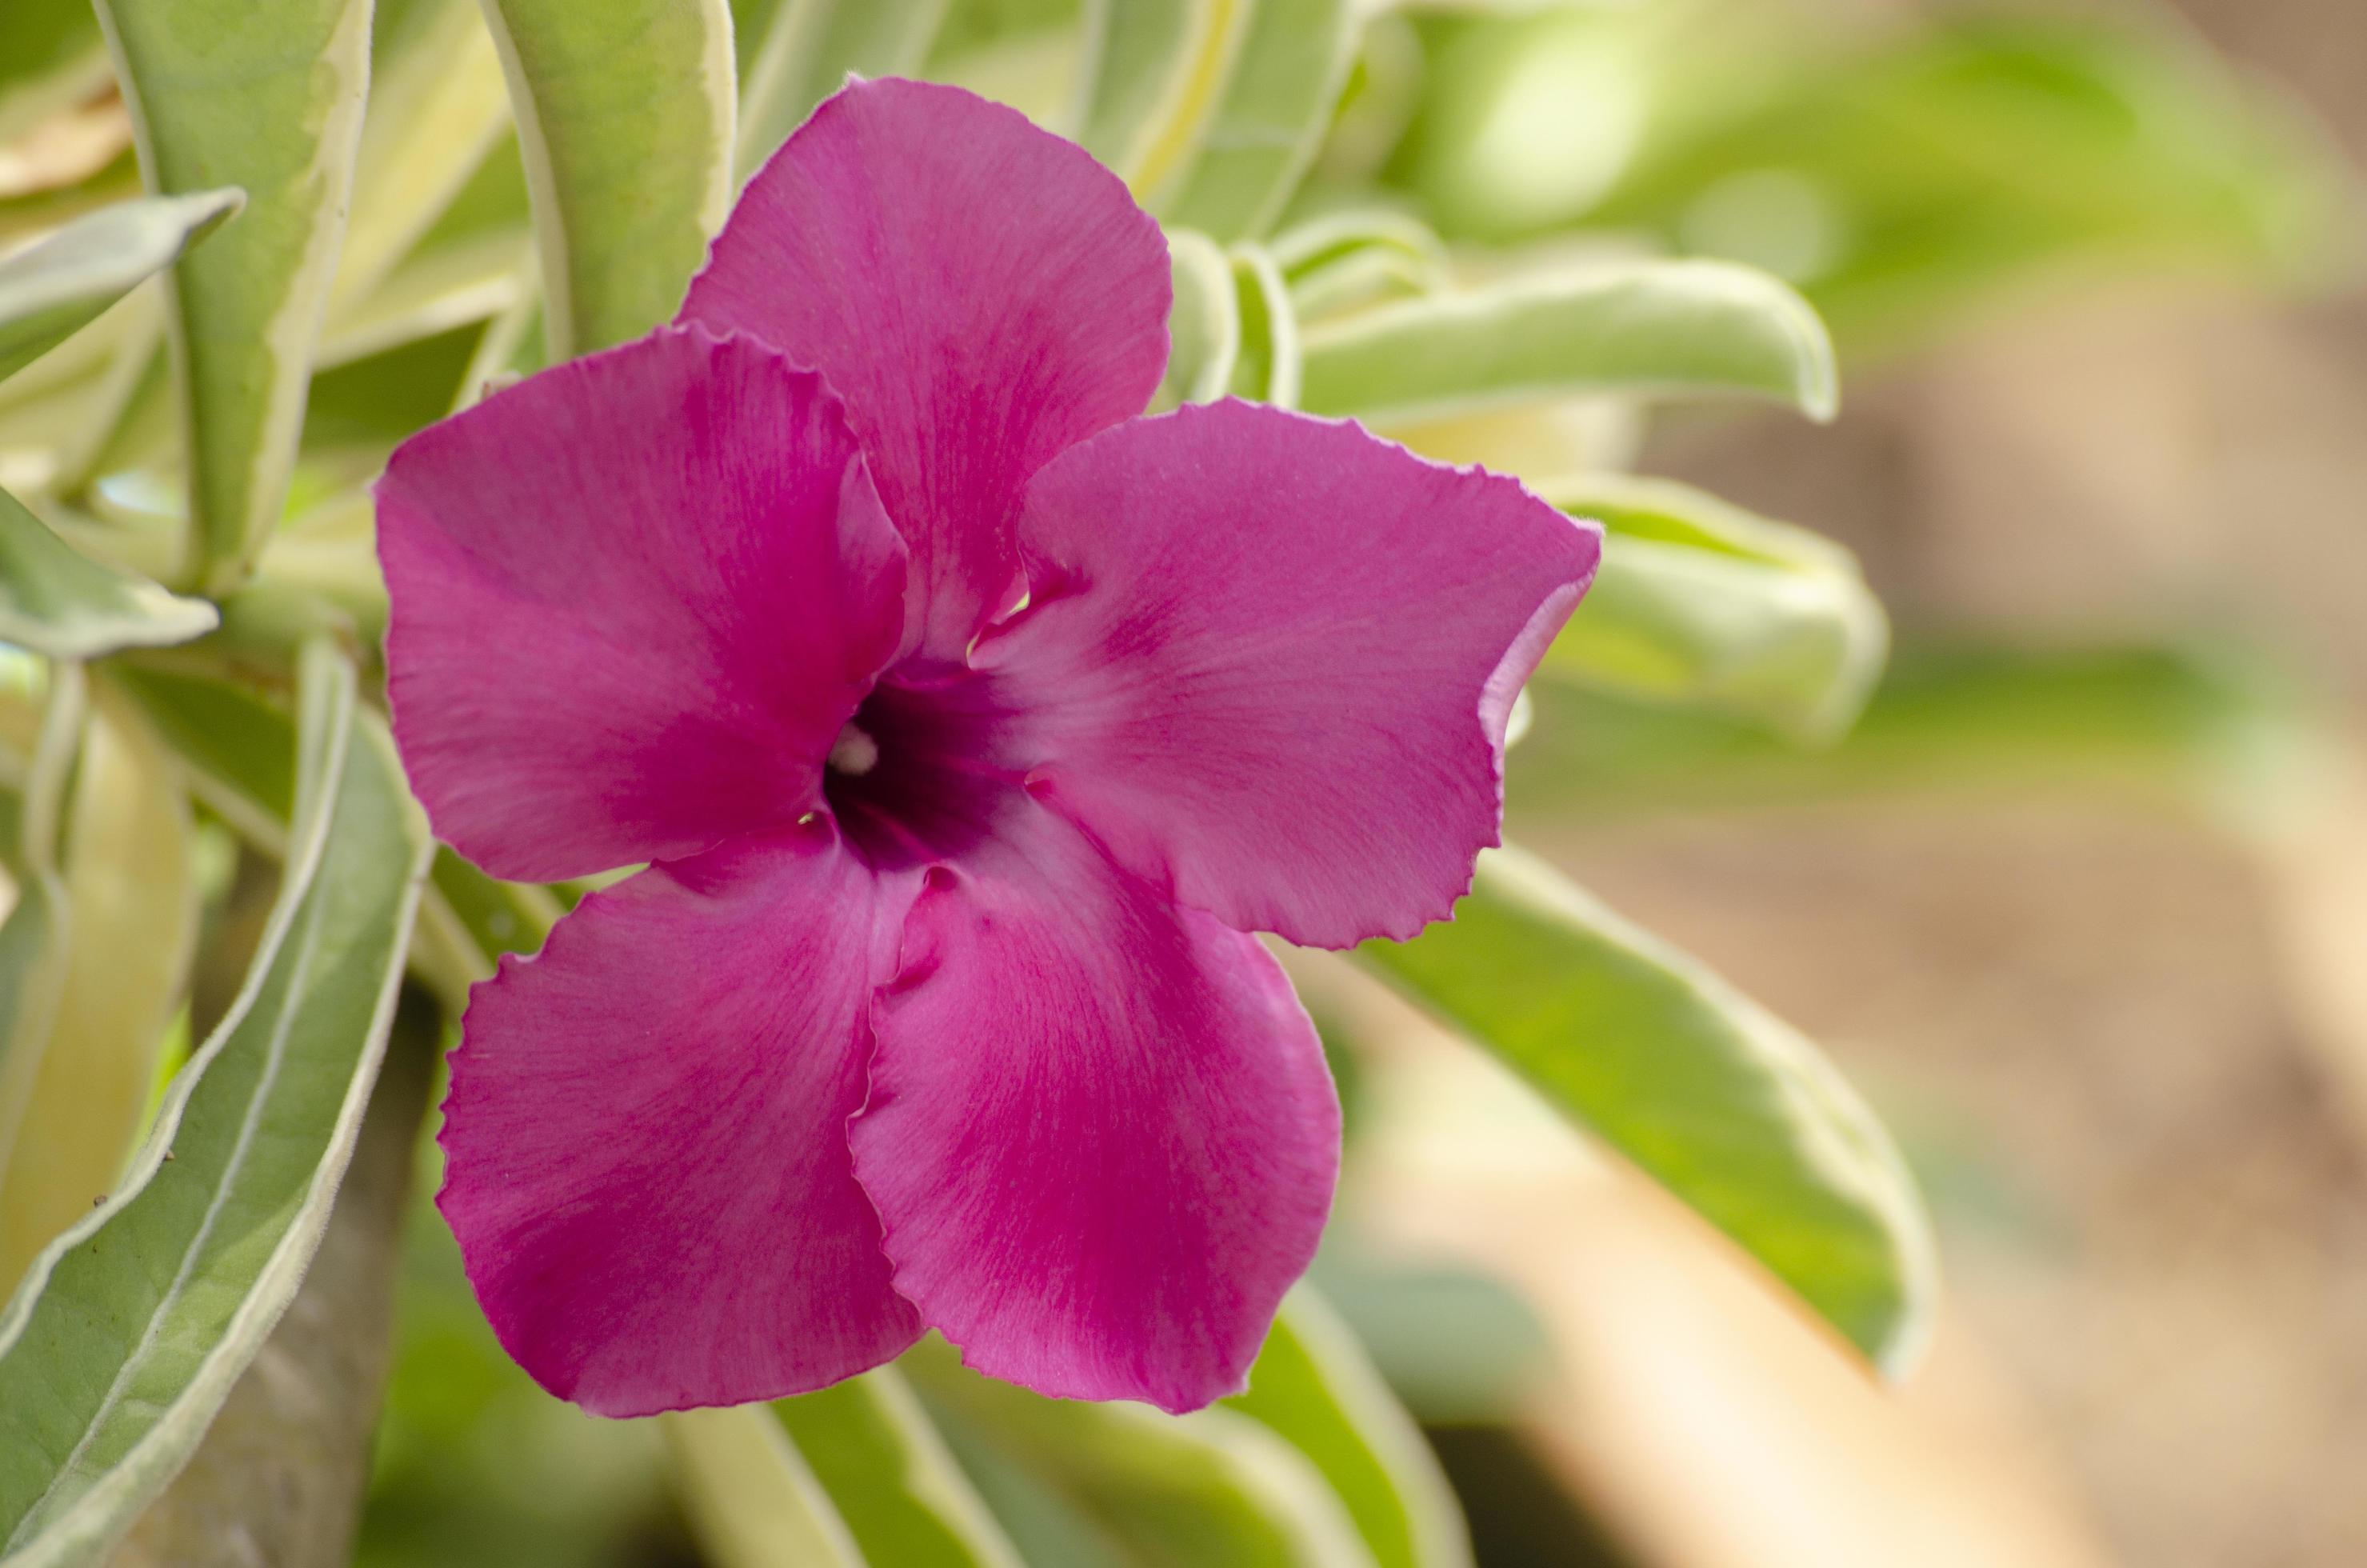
{"points": [[981, 293], [1269, 661], [633, 600], [1101, 1134], [646, 1163]]}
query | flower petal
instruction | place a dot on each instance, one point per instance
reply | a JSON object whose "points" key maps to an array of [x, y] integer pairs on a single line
{"points": [[634, 600], [645, 1142], [982, 294], [1270, 659], [1101, 1134]]}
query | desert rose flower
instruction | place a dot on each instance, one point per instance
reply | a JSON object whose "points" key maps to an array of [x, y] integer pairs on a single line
{"points": [[968, 723]]}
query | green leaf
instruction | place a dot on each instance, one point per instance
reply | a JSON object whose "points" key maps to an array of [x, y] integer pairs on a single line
{"points": [[33, 954], [1268, 365], [623, 111], [751, 1499], [265, 95], [1659, 328], [1314, 1387], [1204, 324], [131, 1327], [1701, 603], [1357, 255], [49, 289], [51, 58], [240, 748], [808, 52], [1123, 1483], [131, 926], [1286, 81], [1152, 74], [1726, 1105], [58, 602], [874, 1452]]}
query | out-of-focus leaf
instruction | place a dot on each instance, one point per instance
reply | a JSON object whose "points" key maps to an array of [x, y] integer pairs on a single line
{"points": [[56, 601], [435, 291], [871, 1448], [131, 899], [131, 1327], [1726, 1105], [1699, 602], [624, 111], [1151, 72], [240, 748], [1268, 364], [1653, 329], [48, 290], [1355, 257], [33, 954], [2191, 726], [809, 49], [437, 103], [265, 95], [1124, 1485], [1204, 324], [1265, 130], [50, 56], [1314, 1387], [749, 1494]]}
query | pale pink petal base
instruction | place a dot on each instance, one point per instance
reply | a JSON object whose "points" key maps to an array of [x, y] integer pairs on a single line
{"points": [[1269, 659], [1101, 1135], [981, 292], [633, 600], [645, 1139]]}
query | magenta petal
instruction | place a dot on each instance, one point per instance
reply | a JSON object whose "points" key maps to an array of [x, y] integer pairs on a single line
{"points": [[982, 294], [645, 1139], [1270, 660], [634, 598], [1100, 1133]]}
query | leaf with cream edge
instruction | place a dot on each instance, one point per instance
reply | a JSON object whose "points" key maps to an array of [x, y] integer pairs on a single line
{"points": [[51, 58], [1203, 323], [1267, 364], [810, 48], [58, 602], [1314, 1387], [1722, 1104], [1122, 1483], [265, 95], [1703, 604], [131, 927], [1276, 106], [625, 113], [33, 937], [750, 1499], [874, 1452], [1660, 329], [1152, 69], [51, 288], [130, 1328]]}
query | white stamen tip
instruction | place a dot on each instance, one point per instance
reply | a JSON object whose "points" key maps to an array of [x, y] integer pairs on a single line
{"points": [[853, 752]]}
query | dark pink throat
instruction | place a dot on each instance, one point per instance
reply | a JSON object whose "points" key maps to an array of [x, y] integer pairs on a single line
{"points": [[920, 773]]}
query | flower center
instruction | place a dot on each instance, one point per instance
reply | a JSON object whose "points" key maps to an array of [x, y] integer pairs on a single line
{"points": [[913, 778]]}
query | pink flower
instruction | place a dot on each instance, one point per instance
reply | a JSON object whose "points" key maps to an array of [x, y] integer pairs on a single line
{"points": [[967, 722]]}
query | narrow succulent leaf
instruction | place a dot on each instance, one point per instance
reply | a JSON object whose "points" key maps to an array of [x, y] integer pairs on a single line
{"points": [[1658, 328], [810, 48], [1213, 1488], [49, 289], [1726, 1105], [1314, 1387], [58, 602], [1284, 83], [436, 105], [1355, 257], [450, 285], [1268, 365], [874, 1453], [750, 1500], [1701, 603], [625, 114], [1149, 65], [131, 1329], [1204, 324], [265, 95], [131, 926], [240, 748], [33, 953], [51, 58]]}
